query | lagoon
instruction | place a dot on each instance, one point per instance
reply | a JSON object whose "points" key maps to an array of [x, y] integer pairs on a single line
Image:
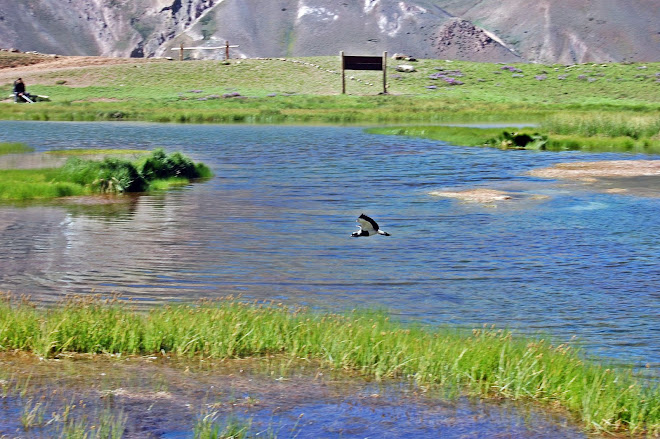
{"points": [[274, 223]]}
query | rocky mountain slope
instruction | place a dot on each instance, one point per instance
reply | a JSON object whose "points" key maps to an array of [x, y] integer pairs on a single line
{"points": [[565, 31]]}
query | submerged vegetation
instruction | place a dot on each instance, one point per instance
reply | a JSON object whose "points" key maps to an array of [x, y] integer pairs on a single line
{"points": [[81, 176], [486, 362]]}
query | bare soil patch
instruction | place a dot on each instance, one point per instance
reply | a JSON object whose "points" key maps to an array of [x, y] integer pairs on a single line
{"points": [[14, 65]]}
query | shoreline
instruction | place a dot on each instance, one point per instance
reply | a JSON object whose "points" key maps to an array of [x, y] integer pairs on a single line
{"points": [[485, 362]]}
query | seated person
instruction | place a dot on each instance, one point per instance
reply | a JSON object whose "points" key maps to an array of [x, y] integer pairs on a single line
{"points": [[20, 95]]}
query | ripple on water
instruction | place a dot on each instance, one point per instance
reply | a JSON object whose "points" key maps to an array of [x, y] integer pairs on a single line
{"points": [[275, 223]]}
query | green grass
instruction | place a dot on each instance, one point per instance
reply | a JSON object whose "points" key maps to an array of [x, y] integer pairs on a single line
{"points": [[465, 136], [635, 126], [29, 184], [307, 90], [485, 362], [597, 107], [14, 148], [209, 426], [168, 183], [156, 171], [595, 131]]}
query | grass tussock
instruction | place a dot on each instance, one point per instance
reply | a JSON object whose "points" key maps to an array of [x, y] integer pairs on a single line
{"points": [[80, 176], [210, 426], [485, 362]]}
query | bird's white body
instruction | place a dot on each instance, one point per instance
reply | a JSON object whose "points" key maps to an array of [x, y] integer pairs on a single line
{"points": [[368, 227]]}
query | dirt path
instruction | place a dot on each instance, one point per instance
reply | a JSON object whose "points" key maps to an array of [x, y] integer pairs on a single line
{"points": [[29, 66]]}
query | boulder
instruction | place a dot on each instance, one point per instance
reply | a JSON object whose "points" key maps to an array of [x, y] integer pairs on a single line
{"points": [[406, 68]]}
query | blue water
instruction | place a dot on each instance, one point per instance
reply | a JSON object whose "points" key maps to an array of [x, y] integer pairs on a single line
{"points": [[275, 223], [160, 401]]}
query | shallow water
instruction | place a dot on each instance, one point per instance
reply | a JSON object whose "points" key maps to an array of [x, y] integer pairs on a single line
{"points": [[274, 223], [159, 397]]}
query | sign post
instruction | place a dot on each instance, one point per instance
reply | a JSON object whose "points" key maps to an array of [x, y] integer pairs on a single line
{"points": [[363, 63]]}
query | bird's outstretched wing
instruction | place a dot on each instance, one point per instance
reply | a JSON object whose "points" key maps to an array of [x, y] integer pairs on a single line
{"points": [[367, 223]]}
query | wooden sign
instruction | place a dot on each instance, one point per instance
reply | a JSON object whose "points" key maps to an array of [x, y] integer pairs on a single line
{"points": [[363, 63], [351, 62]]}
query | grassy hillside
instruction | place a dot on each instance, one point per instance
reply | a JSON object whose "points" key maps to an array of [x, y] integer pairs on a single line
{"points": [[308, 90]]}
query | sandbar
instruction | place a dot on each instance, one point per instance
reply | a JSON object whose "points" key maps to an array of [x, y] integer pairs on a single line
{"points": [[630, 177], [590, 171], [475, 195]]}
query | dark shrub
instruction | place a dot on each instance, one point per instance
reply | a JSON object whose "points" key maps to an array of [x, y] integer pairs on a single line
{"points": [[109, 175], [120, 175], [160, 165]]}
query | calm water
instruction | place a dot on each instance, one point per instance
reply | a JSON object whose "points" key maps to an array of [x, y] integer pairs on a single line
{"points": [[275, 223]]}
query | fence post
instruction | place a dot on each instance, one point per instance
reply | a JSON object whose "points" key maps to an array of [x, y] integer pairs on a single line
{"points": [[181, 53], [384, 72], [343, 75]]}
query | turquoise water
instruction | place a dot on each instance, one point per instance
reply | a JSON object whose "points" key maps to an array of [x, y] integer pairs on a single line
{"points": [[275, 223]]}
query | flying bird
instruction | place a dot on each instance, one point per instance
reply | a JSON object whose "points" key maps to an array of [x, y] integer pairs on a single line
{"points": [[368, 227]]}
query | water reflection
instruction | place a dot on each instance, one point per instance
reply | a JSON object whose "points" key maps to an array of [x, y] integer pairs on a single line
{"points": [[275, 223]]}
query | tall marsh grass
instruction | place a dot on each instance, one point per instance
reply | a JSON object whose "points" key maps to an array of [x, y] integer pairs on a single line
{"points": [[486, 362], [634, 126], [604, 131], [599, 132]]}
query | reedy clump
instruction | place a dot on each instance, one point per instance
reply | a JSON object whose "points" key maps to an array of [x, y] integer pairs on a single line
{"points": [[109, 175], [160, 165], [80, 176]]}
